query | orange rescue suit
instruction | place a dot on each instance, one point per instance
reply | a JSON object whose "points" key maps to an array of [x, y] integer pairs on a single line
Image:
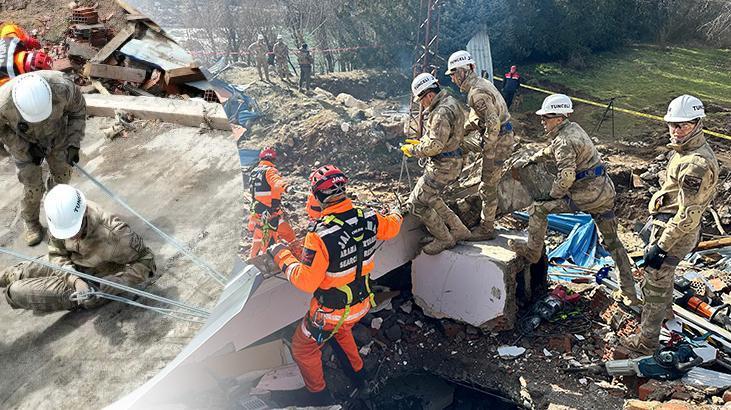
{"points": [[15, 55], [331, 263], [266, 221]]}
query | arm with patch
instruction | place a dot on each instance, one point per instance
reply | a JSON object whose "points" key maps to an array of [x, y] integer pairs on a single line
{"points": [[307, 274], [566, 162], [129, 250], [436, 137], [696, 181], [76, 111], [388, 226]]}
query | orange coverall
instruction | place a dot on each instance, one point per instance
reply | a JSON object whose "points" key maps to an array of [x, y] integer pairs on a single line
{"points": [[326, 265], [267, 186], [314, 209]]}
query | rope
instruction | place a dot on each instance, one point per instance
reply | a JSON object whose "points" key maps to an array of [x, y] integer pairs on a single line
{"points": [[212, 272], [163, 311], [195, 311]]}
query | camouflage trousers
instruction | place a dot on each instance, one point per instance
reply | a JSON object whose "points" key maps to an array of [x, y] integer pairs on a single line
{"points": [[606, 223], [426, 200], [42, 289], [657, 285], [494, 153], [262, 65], [282, 68], [31, 176]]}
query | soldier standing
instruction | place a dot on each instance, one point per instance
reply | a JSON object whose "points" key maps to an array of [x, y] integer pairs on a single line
{"points": [[42, 116], [676, 211], [84, 238], [281, 58], [488, 114], [259, 50], [305, 61], [441, 146], [581, 184]]}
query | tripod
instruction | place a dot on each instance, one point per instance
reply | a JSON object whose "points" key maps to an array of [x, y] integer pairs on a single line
{"points": [[609, 110]]}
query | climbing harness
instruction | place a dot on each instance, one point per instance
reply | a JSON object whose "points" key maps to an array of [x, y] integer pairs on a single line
{"points": [[221, 279]]}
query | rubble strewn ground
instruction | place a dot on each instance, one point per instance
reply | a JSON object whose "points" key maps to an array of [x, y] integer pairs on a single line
{"points": [[313, 128]]}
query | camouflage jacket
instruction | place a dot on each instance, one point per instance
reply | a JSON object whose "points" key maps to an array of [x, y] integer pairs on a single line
{"points": [[488, 110], [108, 242], [259, 50], [689, 187], [444, 127], [65, 127], [281, 51]]}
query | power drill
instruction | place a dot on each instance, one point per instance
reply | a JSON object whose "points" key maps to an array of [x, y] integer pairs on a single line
{"points": [[667, 363]]}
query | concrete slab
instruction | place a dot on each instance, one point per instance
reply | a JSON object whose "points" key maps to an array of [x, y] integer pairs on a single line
{"points": [[189, 185], [473, 283]]}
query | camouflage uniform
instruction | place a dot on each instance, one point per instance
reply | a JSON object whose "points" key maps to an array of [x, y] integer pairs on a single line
{"points": [[281, 59], [259, 50], [30, 143], [305, 61], [488, 114], [581, 184], [108, 249], [676, 211], [440, 144]]}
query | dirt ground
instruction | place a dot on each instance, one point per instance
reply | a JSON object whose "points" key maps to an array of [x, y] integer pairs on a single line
{"points": [[187, 183]]}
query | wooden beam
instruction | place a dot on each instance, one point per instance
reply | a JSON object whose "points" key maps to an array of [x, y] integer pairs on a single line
{"points": [[83, 50], [113, 45], [137, 17], [183, 75], [100, 87], [190, 113], [114, 72]]}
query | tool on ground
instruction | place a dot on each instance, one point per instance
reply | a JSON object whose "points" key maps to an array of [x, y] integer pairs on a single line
{"points": [[220, 278], [667, 363], [548, 307], [188, 309], [688, 299]]}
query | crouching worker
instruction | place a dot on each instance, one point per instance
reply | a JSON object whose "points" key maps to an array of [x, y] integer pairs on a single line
{"points": [[84, 238], [338, 255]]}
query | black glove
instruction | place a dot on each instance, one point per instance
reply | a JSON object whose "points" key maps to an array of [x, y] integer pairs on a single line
{"points": [[36, 154], [654, 256], [72, 155]]}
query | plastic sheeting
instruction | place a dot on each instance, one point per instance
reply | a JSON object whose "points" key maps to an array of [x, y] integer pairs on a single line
{"points": [[239, 107]]}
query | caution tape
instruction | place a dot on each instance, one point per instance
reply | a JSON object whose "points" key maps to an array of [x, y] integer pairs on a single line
{"points": [[624, 110], [313, 50]]}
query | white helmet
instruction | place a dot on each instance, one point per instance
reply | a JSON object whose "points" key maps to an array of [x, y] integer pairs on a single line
{"points": [[65, 207], [459, 59], [32, 97], [685, 108], [421, 83], [260, 37], [556, 104]]}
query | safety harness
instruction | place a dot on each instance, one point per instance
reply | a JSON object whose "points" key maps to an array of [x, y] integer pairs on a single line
{"points": [[342, 297]]}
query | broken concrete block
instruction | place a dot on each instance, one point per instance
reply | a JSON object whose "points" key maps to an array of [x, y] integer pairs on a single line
{"points": [[510, 352], [474, 283], [350, 101]]}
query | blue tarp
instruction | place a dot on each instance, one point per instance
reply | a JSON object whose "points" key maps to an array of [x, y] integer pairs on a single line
{"points": [[239, 107], [581, 247], [248, 156]]}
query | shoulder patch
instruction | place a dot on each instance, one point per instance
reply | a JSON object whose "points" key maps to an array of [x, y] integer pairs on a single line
{"points": [[692, 184], [308, 255]]}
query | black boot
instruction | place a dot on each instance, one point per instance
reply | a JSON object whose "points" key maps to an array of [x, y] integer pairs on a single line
{"points": [[321, 398]]}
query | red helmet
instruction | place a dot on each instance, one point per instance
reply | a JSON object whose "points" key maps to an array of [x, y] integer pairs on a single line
{"points": [[38, 60], [328, 183], [268, 154]]}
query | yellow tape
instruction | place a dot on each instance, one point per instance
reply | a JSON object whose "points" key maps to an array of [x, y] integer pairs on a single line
{"points": [[624, 110]]}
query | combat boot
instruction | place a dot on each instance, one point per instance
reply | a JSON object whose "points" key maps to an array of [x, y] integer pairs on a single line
{"points": [[33, 233], [457, 229], [483, 232], [438, 245], [8, 276], [521, 249], [637, 345]]}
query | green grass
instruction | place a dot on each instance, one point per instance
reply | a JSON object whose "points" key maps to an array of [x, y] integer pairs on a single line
{"points": [[648, 77]]}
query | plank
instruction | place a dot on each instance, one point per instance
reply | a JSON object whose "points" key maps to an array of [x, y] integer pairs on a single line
{"points": [[113, 45], [114, 72], [183, 75]]}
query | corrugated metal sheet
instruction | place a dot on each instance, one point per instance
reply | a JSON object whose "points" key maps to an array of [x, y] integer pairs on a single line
{"points": [[479, 47]]}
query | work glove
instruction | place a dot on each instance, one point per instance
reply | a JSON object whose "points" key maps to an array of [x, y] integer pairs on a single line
{"points": [[275, 249], [408, 150], [36, 154], [570, 202], [72, 155], [654, 256]]}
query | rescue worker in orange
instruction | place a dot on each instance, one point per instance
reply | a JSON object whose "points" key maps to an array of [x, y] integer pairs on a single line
{"points": [[338, 255], [20, 53], [266, 221]]}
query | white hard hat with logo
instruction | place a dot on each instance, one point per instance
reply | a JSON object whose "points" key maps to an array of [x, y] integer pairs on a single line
{"points": [[459, 59], [32, 97], [556, 104], [685, 108], [421, 83], [65, 207]]}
